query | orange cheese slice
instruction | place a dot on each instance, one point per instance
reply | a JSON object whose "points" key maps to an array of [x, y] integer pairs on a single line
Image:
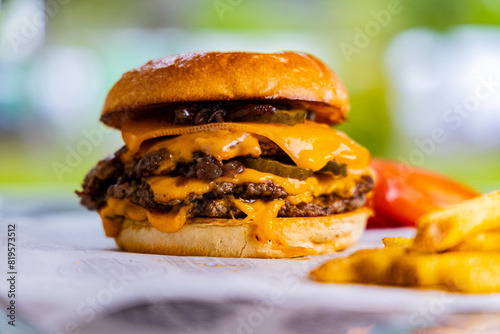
{"points": [[166, 189], [260, 213], [221, 144], [310, 145], [116, 208]]}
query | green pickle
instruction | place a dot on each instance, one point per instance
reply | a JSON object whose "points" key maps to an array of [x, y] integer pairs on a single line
{"points": [[294, 172], [288, 117], [334, 168], [277, 168]]}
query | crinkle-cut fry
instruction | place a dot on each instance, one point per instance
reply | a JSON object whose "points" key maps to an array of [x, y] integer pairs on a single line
{"points": [[481, 242], [443, 229]]}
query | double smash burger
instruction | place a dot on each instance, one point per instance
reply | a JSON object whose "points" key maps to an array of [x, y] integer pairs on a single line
{"points": [[231, 154]]}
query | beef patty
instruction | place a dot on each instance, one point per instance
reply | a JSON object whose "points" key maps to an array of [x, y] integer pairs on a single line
{"points": [[113, 178]]}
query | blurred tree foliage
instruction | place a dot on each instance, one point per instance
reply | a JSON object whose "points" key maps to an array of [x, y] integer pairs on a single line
{"points": [[334, 22]]}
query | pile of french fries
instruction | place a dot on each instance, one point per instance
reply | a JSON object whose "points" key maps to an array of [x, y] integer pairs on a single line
{"points": [[456, 248]]}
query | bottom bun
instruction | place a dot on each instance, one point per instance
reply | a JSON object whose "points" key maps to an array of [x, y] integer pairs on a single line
{"points": [[236, 238]]}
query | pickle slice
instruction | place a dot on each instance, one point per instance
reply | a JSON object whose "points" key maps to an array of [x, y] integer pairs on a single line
{"points": [[335, 168], [277, 168], [288, 117], [294, 172]]}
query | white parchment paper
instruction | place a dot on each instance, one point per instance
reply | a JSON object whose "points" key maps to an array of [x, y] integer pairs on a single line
{"points": [[72, 278]]}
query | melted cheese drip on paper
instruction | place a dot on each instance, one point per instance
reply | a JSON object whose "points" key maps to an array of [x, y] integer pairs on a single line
{"points": [[310, 145]]}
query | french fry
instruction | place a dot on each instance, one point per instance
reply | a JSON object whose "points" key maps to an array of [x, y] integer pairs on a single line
{"points": [[364, 266], [415, 270], [399, 242], [456, 249], [443, 229], [483, 242], [469, 272], [336, 271], [373, 265]]}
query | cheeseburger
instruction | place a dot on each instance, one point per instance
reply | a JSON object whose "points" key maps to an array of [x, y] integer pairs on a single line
{"points": [[231, 154]]}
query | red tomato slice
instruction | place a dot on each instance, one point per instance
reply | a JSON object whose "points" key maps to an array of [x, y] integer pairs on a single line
{"points": [[403, 193]]}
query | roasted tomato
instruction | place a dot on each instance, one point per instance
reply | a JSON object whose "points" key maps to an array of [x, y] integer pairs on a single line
{"points": [[403, 193]]}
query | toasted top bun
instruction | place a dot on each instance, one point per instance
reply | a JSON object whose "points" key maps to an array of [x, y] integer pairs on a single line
{"points": [[293, 77]]}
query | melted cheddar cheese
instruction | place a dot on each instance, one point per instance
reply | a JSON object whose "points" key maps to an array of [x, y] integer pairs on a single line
{"points": [[116, 209], [264, 214], [221, 144], [310, 145], [261, 213], [166, 189]]}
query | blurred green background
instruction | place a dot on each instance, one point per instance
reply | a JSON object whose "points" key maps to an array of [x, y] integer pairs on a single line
{"points": [[410, 67]]}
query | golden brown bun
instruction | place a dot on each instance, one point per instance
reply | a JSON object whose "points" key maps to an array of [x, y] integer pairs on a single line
{"points": [[227, 76], [234, 238]]}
